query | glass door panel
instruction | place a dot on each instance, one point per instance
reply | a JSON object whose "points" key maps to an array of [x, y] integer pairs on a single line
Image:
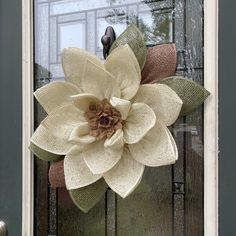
{"points": [[169, 200]]}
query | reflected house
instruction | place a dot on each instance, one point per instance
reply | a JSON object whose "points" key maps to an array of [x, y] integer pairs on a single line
{"points": [[190, 133], [73, 23]]}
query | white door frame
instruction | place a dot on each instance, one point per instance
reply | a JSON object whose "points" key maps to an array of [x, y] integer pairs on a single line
{"points": [[210, 118]]}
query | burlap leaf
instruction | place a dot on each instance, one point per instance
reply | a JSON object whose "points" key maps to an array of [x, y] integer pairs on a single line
{"points": [[87, 197], [44, 155], [135, 39], [191, 93], [56, 174]]}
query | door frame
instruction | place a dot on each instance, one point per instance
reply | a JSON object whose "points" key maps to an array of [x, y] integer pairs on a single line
{"points": [[210, 118]]}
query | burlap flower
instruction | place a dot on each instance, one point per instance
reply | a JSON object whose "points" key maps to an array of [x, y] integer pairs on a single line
{"points": [[105, 123]]}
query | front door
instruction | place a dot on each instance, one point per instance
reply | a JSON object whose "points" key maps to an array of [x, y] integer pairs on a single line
{"points": [[169, 200]]}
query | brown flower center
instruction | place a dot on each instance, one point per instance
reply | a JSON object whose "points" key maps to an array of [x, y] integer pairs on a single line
{"points": [[103, 119]]}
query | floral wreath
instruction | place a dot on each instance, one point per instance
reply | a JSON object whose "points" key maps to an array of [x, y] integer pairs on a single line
{"points": [[109, 120]]}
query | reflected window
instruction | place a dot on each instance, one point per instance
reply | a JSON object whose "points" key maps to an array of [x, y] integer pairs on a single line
{"points": [[73, 23]]}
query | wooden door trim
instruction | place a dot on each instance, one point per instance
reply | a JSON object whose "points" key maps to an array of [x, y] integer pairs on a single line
{"points": [[210, 118], [27, 119]]}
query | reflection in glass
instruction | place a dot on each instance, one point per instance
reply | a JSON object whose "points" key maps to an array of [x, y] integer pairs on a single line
{"points": [[72, 35], [73, 23]]}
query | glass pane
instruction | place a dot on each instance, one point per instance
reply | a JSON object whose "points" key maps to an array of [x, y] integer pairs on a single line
{"points": [[169, 200]]}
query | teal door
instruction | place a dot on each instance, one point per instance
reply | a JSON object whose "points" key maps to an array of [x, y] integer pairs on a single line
{"points": [[170, 212], [10, 115]]}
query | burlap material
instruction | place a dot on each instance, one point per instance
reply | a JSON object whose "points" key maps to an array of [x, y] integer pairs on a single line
{"points": [[44, 155], [135, 39], [191, 93], [160, 63], [56, 174], [87, 197]]}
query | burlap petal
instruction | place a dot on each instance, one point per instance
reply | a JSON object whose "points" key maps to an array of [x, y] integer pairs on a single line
{"points": [[157, 148], [100, 159], [125, 176], [123, 65], [44, 155], [56, 174], [121, 105], [80, 134], [99, 82], [140, 120], [74, 61], [160, 63], [77, 173], [87, 197], [116, 141], [82, 101], [191, 93], [53, 133], [135, 39], [164, 101], [55, 95]]}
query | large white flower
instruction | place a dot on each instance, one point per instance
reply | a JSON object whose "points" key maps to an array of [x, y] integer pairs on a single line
{"points": [[104, 122]]}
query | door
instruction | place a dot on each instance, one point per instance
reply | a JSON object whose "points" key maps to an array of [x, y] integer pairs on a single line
{"points": [[169, 199]]}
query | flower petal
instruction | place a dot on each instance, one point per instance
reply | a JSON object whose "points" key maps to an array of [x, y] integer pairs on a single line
{"points": [[123, 65], [55, 95], [87, 197], [54, 131], [121, 105], [82, 101], [116, 141], [96, 80], [163, 100], [77, 173], [140, 120], [100, 159], [80, 134], [125, 176], [157, 148], [56, 174], [74, 61]]}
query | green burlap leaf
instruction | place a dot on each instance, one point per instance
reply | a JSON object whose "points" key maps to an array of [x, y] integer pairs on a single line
{"points": [[191, 93], [135, 39], [44, 155], [87, 197]]}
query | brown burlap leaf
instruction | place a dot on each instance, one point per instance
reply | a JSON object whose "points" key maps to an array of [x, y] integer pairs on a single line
{"points": [[56, 174], [44, 155], [135, 39], [160, 63], [191, 93], [87, 197]]}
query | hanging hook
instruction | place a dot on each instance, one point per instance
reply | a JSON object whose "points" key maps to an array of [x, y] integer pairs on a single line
{"points": [[107, 40]]}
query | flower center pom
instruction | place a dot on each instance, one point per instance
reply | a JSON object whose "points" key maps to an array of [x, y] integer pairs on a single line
{"points": [[103, 119]]}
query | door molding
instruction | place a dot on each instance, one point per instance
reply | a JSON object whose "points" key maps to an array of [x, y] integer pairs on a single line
{"points": [[210, 118], [27, 119]]}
